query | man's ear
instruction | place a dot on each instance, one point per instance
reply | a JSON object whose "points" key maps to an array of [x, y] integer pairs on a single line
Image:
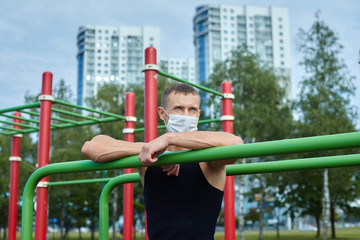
{"points": [[199, 112], [161, 113]]}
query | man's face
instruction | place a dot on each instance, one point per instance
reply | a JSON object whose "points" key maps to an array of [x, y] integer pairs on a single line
{"points": [[181, 104]]}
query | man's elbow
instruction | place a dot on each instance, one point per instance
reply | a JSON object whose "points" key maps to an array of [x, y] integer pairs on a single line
{"points": [[85, 150]]}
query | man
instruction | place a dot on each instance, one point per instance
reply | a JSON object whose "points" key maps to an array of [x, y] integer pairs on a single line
{"points": [[182, 201]]}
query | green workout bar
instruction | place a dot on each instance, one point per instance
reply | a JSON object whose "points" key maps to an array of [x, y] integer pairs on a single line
{"points": [[81, 181], [19, 124], [90, 109], [231, 170], [53, 109], [104, 201], [53, 118], [318, 143], [12, 109], [163, 126], [192, 84]]}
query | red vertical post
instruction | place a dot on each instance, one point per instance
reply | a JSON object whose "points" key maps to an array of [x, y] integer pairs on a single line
{"points": [[43, 156], [14, 179], [150, 99], [129, 187], [229, 195]]}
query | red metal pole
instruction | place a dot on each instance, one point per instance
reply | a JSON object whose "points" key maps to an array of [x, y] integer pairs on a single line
{"points": [[14, 180], [129, 187], [43, 156], [150, 99], [229, 195]]}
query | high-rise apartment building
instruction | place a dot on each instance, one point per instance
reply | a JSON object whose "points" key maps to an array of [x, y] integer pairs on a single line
{"points": [[218, 29], [183, 68], [111, 54]]}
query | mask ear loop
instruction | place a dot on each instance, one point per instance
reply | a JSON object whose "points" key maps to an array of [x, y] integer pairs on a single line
{"points": [[164, 120]]}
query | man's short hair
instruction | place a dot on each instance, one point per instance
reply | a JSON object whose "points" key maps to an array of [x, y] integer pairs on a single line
{"points": [[177, 88]]}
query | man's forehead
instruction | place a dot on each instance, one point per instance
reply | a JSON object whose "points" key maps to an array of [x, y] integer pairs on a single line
{"points": [[179, 97]]}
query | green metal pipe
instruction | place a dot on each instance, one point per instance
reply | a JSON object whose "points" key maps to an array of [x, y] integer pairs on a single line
{"points": [[88, 122], [104, 201], [190, 83], [81, 181], [327, 142], [90, 109], [238, 169], [19, 124], [53, 118], [73, 114], [163, 126], [17, 108], [21, 118]]}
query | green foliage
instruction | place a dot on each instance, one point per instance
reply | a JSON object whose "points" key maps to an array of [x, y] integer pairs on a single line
{"points": [[323, 108], [260, 107]]}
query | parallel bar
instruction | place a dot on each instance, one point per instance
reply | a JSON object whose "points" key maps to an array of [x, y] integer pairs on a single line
{"points": [[90, 109], [88, 122], [17, 108], [231, 170], [190, 83], [21, 118], [19, 124], [319, 143], [104, 201], [73, 114], [53, 118], [81, 181]]}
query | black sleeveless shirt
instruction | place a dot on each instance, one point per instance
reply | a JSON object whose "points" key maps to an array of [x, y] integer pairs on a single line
{"points": [[181, 207]]}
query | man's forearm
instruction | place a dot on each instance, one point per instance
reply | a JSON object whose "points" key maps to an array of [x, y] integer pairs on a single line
{"points": [[202, 139], [104, 149]]}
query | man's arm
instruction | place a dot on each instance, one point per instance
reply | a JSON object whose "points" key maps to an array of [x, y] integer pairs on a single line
{"points": [[104, 149], [189, 140]]}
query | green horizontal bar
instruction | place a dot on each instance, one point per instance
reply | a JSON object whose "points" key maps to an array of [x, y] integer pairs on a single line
{"points": [[6, 133], [19, 124], [30, 113], [22, 131], [73, 114], [21, 118], [90, 109], [104, 201], [88, 122], [53, 118], [318, 143], [163, 126], [237, 169], [190, 83], [81, 181], [16, 131], [12, 109], [294, 165]]}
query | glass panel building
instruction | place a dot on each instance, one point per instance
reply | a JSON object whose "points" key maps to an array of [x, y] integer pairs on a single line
{"points": [[111, 54], [218, 29]]}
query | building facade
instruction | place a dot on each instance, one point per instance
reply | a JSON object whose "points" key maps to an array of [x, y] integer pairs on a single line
{"points": [[218, 29], [111, 54], [183, 68]]}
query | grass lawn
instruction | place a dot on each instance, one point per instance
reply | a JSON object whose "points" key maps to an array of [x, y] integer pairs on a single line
{"points": [[341, 234]]}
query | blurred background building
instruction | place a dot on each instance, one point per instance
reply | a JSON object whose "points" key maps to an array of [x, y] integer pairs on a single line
{"points": [[111, 54], [218, 29]]}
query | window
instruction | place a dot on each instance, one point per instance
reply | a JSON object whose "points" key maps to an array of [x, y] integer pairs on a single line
{"points": [[282, 63], [99, 64], [280, 26], [282, 55], [281, 48], [99, 58], [106, 31], [281, 41], [151, 39], [280, 19], [280, 33]]}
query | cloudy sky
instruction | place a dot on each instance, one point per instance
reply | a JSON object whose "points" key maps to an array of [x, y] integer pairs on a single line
{"points": [[38, 36]]}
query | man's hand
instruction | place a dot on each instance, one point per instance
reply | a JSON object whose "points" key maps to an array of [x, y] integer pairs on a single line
{"points": [[172, 169], [151, 150]]}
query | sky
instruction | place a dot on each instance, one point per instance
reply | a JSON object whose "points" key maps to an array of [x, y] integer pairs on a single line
{"points": [[40, 35]]}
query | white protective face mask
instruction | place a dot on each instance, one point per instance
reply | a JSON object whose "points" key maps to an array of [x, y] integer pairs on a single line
{"points": [[181, 123]]}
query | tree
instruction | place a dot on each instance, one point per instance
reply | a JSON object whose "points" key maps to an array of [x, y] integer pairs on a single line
{"points": [[261, 110], [324, 104]]}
